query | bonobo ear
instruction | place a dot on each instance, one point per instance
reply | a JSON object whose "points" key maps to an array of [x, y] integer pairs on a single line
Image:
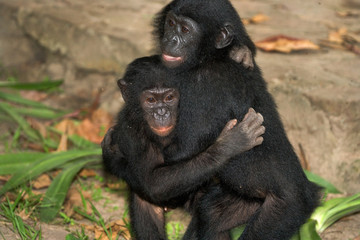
{"points": [[225, 36], [123, 86]]}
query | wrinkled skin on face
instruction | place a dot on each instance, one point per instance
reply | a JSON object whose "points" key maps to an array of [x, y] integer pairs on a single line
{"points": [[160, 109], [181, 40]]}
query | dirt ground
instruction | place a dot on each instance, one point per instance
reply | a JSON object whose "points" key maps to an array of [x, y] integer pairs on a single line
{"points": [[317, 92]]}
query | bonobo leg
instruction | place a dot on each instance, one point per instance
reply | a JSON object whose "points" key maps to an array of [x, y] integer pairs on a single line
{"points": [[147, 220], [242, 55], [277, 218], [221, 210]]}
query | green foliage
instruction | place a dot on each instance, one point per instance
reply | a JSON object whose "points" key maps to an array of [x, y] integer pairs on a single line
{"points": [[174, 230], [328, 187], [25, 231]]}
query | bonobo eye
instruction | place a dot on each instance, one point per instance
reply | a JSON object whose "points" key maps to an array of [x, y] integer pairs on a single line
{"points": [[150, 100], [185, 29], [169, 98], [171, 23]]}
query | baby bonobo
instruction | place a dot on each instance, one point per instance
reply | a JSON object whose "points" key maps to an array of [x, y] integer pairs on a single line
{"points": [[132, 149]]}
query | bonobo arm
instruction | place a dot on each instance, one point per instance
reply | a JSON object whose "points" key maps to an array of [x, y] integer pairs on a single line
{"points": [[242, 55], [163, 182]]}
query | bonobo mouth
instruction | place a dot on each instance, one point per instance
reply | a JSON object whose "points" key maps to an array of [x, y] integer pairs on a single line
{"points": [[162, 131], [169, 58]]}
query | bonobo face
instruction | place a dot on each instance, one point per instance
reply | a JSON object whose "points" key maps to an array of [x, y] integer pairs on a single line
{"points": [[181, 40], [160, 109]]}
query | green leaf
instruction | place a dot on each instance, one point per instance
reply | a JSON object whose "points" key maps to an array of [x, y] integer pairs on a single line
{"points": [[31, 133], [308, 231], [321, 182], [236, 232], [40, 113], [336, 210], [56, 193], [18, 99], [11, 162], [45, 164], [32, 86], [71, 237]]}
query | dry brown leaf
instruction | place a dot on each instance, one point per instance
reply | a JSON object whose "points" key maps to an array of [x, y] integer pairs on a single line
{"points": [[344, 40], [40, 127], [42, 181], [24, 216], [66, 126], [337, 36], [101, 117], [5, 178], [73, 199], [118, 228], [63, 143], [93, 129], [259, 18], [33, 95], [285, 44], [347, 13], [87, 173]]}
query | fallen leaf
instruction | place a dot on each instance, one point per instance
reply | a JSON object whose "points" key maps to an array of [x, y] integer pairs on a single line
{"points": [[34, 95], [347, 13], [42, 181], [38, 126], [73, 199], [63, 143], [344, 40], [118, 228], [258, 18], [95, 127], [87, 173], [24, 216], [337, 36], [285, 44], [5, 178], [66, 126]]}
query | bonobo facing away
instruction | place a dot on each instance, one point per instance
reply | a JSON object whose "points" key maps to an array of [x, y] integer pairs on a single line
{"points": [[264, 187], [132, 149]]}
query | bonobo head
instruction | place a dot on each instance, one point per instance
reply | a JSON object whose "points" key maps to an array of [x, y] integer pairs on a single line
{"points": [[183, 40], [160, 109], [190, 32]]}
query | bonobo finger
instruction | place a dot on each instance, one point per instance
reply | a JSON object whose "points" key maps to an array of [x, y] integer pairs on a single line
{"points": [[259, 141], [256, 121], [260, 131], [250, 113], [230, 124]]}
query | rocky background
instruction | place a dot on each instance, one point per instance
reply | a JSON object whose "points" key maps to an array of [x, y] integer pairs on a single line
{"points": [[89, 43]]}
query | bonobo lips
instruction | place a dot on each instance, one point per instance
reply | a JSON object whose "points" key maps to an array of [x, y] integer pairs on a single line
{"points": [[169, 58], [163, 131]]}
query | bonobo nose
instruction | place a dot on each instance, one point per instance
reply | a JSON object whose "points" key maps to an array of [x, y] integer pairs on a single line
{"points": [[161, 111], [175, 39]]}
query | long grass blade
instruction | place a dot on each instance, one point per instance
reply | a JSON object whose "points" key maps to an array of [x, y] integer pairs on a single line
{"points": [[11, 162], [321, 182], [56, 193], [19, 100], [31, 133], [32, 86], [44, 164]]}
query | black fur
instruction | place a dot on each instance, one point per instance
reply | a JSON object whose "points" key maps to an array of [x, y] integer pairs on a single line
{"points": [[264, 187], [132, 152]]}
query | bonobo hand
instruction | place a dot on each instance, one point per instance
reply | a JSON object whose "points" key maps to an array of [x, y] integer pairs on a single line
{"points": [[109, 151], [237, 138], [242, 55]]}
